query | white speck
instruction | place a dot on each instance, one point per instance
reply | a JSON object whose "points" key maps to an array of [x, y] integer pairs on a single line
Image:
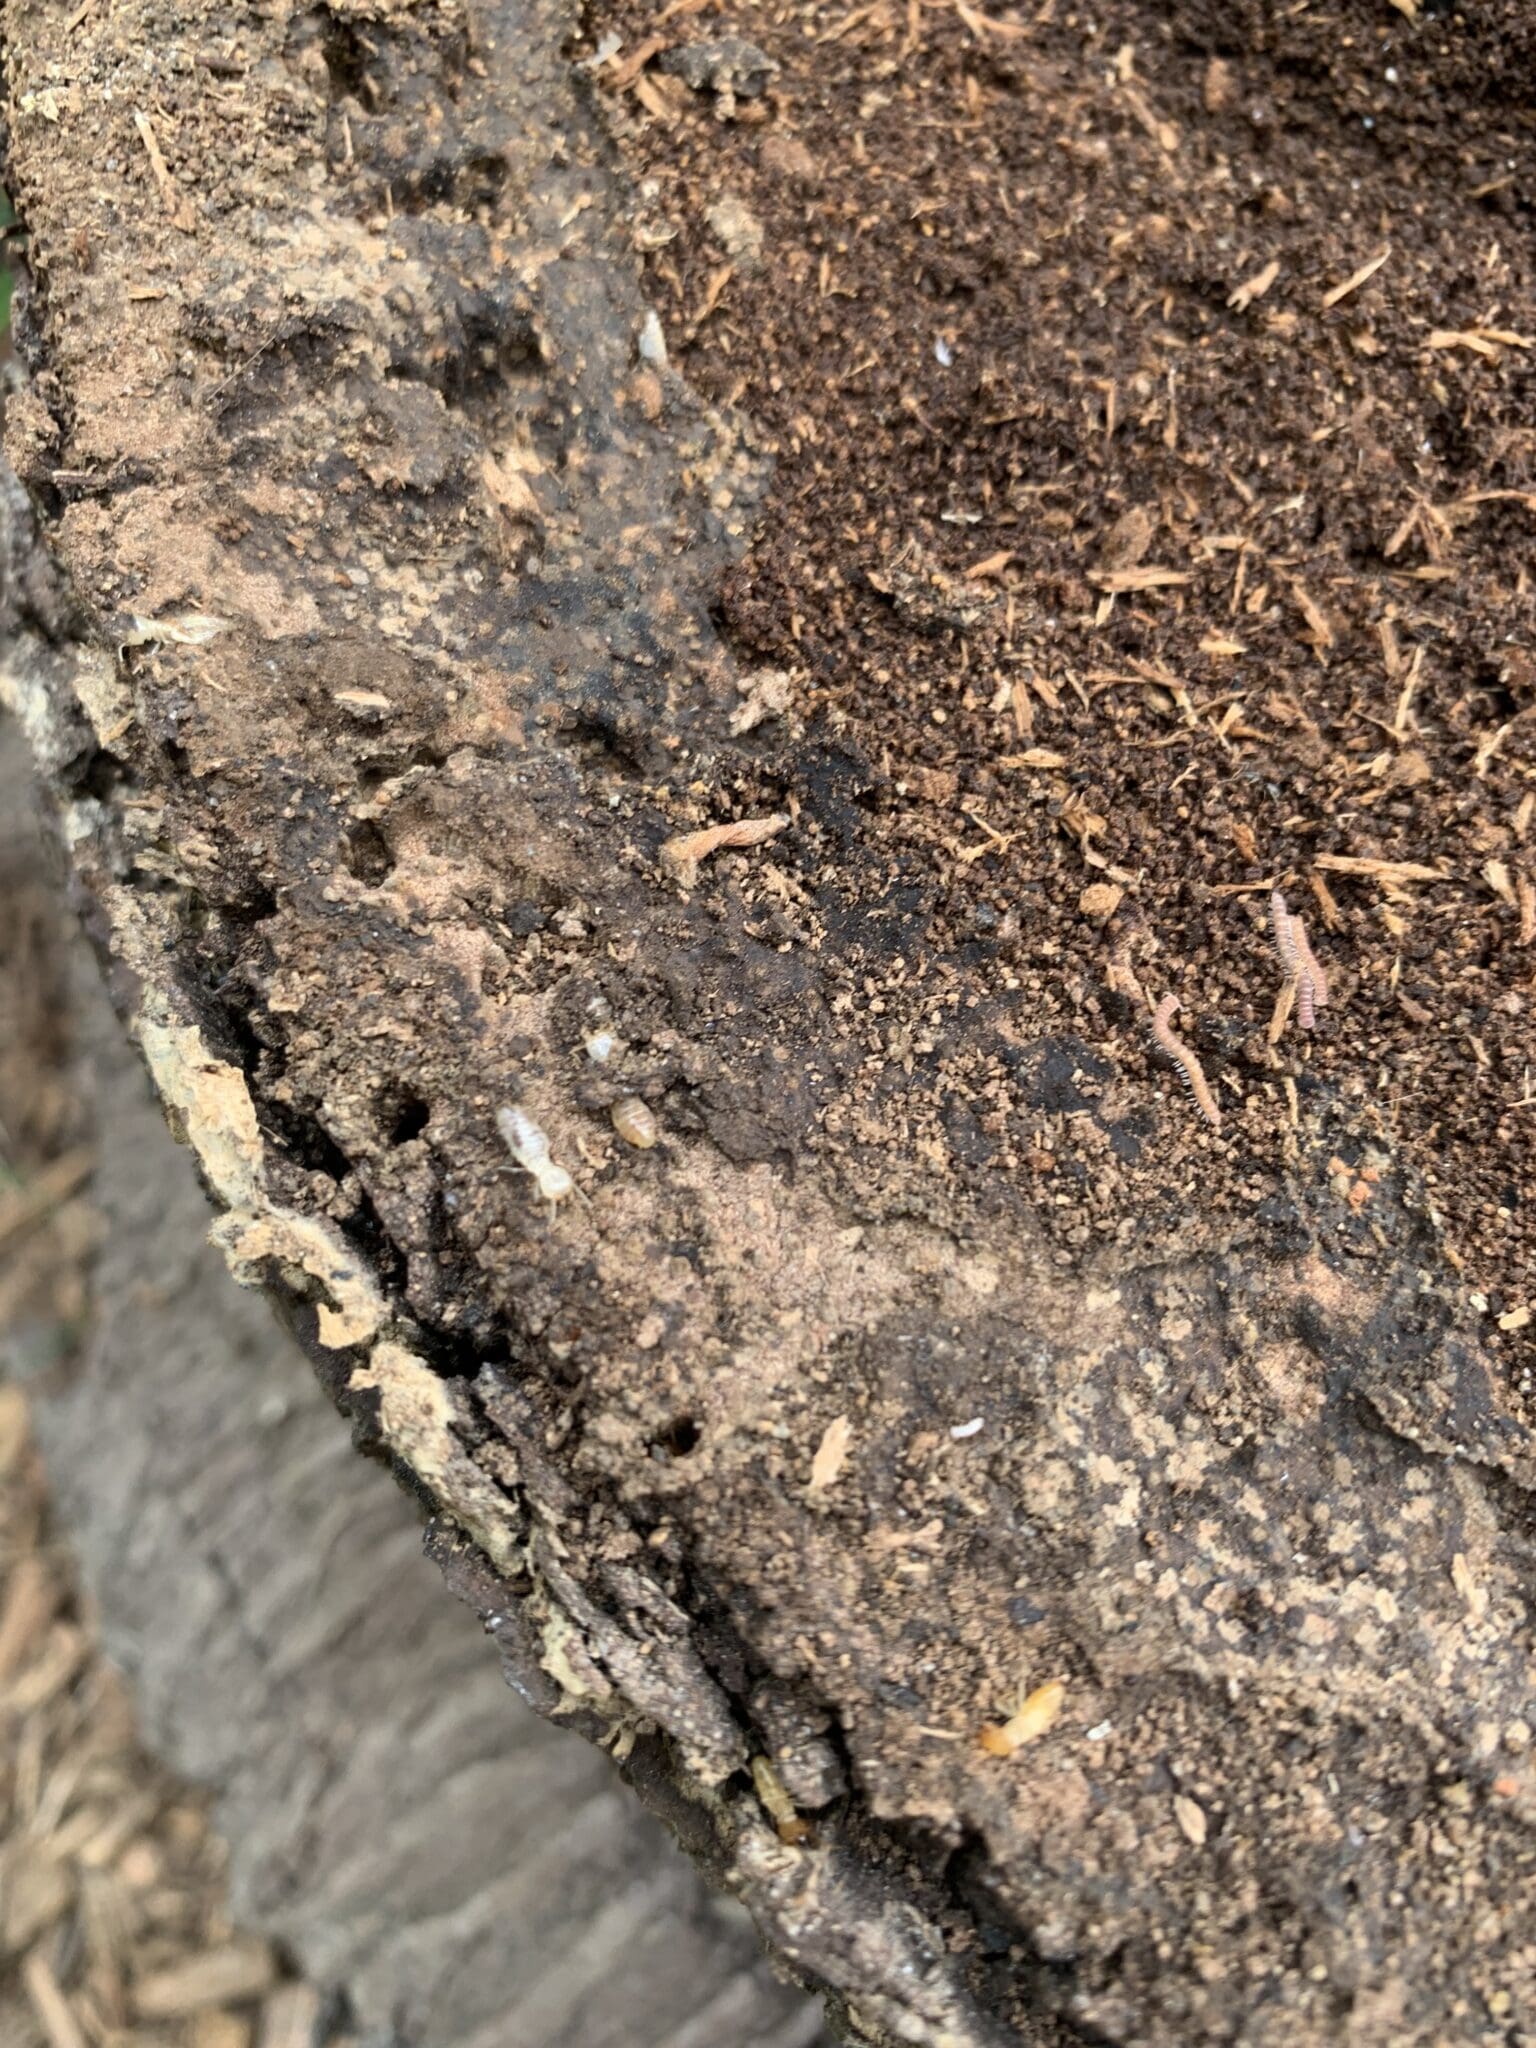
{"points": [[1391, 75], [653, 343], [1102, 1732], [606, 50], [1368, 121], [944, 354], [962, 1430]]}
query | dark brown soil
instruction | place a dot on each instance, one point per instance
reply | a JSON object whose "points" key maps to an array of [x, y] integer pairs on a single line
{"points": [[986, 326], [938, 1352]]}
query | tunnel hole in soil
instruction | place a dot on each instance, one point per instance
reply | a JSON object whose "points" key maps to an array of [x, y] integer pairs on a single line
{"points": [[367, 854], [404, 1115], [679, 1439]]}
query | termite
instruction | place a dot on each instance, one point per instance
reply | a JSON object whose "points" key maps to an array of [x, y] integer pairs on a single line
{"points": [[635, 1122], [1035, 1715], [529, 1147], [602, 1041]]}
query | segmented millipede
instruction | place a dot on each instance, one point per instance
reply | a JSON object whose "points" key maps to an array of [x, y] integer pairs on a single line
{"points": [[1280, 925], [1185, 1061], [1311, 981], [1298, 963]]}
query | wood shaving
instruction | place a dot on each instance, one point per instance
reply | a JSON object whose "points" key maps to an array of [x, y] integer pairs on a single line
{"points": [[1357, 278], [831, 1454], [688, 849]]}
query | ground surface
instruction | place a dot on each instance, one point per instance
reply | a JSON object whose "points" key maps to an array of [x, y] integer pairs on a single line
{"points": [[1031, 308], [417, 607]]}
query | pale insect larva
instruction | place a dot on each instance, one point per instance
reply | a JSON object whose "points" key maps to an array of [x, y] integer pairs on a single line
{"points": [[635, 1122], [529, 1147]]}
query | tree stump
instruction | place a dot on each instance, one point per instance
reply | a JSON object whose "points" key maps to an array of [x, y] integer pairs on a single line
{"points": [[1107, 1630], [453, 1868]]}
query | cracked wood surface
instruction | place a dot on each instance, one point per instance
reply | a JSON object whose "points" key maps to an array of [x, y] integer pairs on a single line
{"points": [[379, 673]]}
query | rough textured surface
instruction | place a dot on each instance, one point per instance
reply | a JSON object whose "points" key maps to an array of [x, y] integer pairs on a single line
{"points": [[444, 1866], [393, 541]]}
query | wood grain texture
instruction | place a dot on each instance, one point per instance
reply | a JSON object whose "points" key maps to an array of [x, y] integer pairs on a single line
{"points": [[462, 1871]]}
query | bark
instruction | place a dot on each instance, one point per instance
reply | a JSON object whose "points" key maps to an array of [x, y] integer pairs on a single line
{"points": [[385, 684]]}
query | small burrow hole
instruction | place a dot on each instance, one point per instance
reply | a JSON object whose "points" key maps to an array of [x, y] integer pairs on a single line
{"points": [[679, 1439], [367, 854], [406, 1116]]}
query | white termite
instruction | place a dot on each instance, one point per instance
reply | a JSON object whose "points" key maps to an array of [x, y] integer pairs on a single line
{"points": [[601, 1041], [529, 1147]]}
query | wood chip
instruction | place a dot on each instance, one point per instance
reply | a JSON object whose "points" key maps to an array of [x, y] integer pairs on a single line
{"points": [[38, 1887], [290, 2018], [1332, 916], [54, 2013], [1148, 578], [30, 1598], [1483, 341], [1323, 636], [685, 852], [219, 1976], [181, 214], [1386, 871], [992, 565], [1515, 1319], [216, 2028], [628, 69], [1191, 1818], [1496, 874], [1358, 278], [1255, 287], [1033, 757], [831, 1454]]}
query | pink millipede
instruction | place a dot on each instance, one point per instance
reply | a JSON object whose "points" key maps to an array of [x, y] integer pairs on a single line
{"points": [[1298, 964], [1185, 1061], [1285, 940], [1309, 974]]}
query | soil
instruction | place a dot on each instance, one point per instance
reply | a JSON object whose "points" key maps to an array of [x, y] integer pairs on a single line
{"points": [[1036, 299], [1034, 582]]}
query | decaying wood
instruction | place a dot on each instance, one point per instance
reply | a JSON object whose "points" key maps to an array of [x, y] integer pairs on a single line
{"points": [[447, 1867], [361, 865]]}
